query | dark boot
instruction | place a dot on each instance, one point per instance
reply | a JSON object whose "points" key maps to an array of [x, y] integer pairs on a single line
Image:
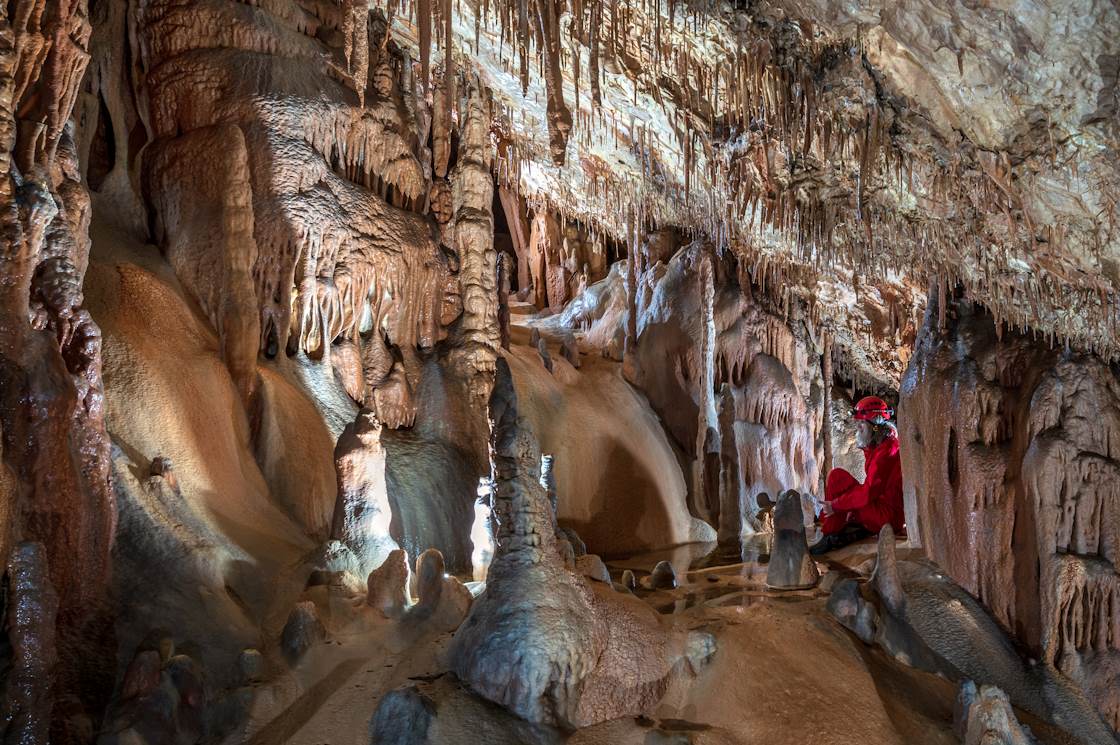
{"points": [[850, 534]]}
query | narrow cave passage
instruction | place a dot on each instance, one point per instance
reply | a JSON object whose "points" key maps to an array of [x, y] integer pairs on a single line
{"points": [[564, 371]]}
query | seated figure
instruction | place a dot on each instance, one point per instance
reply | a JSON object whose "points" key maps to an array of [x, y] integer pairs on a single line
{"points": [[852, 510]]}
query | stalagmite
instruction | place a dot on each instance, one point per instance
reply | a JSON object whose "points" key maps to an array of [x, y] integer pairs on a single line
{"points": [[362, 513], [541, 625], [730, 504], [791, 567]]}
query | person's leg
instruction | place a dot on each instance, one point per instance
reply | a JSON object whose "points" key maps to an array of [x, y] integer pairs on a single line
{"points": [[839, 530], [838, 482], [872, 518]]}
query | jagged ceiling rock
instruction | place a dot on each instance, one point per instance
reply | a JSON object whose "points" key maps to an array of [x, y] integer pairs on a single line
{"points": [[935, 142]]}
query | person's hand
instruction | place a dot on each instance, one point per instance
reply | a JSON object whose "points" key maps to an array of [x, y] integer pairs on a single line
{"points": [[827, 509]]}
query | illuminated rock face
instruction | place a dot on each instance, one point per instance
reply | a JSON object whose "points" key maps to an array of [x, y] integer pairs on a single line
{"points": [[698, 330], [1011, 457], [289, 185]]}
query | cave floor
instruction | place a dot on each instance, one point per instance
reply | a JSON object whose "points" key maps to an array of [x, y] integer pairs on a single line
{"points": [[783, 672]]}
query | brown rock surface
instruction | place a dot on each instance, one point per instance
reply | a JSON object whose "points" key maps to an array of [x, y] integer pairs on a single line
{"points": [[1009, 450]]}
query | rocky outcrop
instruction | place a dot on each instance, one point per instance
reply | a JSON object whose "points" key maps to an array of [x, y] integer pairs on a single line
{"points": [[542, 641], [922, 618], [1012, 463], [985, 717], [387, 585], [694, 335], [163, 698], [319, 209]]}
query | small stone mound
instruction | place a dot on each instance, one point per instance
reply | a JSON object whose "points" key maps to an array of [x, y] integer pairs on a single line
{"points": [[387, 586], [791, 567], [663, 577], [590, 565], [302, 630], [985, 717], [402, 718]]}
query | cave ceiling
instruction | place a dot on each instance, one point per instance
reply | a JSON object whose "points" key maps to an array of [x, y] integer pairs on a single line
{"points": [[854, 154]]}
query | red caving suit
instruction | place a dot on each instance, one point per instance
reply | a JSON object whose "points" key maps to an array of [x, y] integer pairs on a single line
{"points": [[874, 503]]}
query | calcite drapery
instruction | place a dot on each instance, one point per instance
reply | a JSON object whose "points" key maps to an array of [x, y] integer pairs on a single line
{"points": [[1011, 456], [335, 178]]}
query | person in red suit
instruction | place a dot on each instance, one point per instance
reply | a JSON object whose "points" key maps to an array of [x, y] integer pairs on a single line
{"points": [[852, 510]]}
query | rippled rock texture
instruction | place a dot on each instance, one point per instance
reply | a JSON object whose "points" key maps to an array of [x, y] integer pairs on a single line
{"points": [[1012, 452]]}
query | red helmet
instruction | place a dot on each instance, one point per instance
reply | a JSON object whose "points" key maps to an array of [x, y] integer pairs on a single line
{"points": [[872, 408]]}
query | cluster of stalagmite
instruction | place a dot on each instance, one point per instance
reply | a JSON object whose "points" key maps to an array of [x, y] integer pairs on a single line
{"points": [[1010, 449]]}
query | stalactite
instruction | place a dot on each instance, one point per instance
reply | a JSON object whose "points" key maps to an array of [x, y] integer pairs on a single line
{"points": [[424, 21], [559, 116]]}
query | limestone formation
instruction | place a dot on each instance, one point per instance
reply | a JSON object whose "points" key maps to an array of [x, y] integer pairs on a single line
{"points": [[767, 436], [546, 358], [338, 255], [482, 530], [923, 619], [32, 607], [592, 567], [302, 629], [791, 567], [163, 700], [268, 266], [985, 717], [362, 513], [442, 601], [542, 626], [1011, 450], [402, 718], [663, 577], [473, 226], [387, 585]]}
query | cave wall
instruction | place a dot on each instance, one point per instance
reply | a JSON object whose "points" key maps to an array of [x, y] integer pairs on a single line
{"points": [[55, 447], [736, 383], [1011, 461]]}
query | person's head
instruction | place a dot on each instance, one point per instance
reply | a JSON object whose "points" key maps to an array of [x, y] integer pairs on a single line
{"points": [[873, 421]]}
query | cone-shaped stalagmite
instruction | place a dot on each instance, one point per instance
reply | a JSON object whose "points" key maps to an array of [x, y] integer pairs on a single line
{"points": [[791, 567]]}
